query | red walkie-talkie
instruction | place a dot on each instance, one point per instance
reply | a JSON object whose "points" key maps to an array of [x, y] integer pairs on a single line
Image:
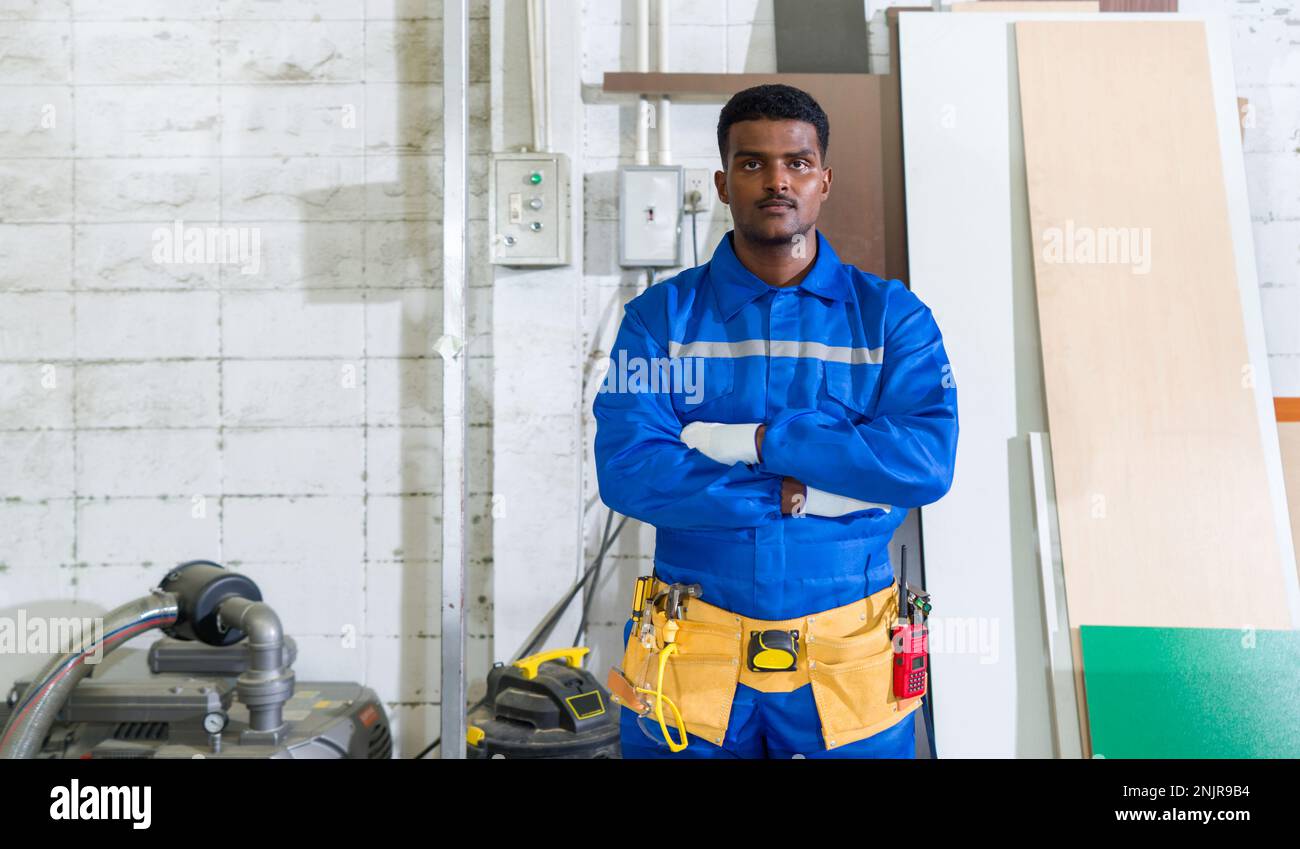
{"points": [[911, 639]]}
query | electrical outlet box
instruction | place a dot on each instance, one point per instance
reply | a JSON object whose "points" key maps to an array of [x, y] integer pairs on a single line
{"points": [[700, 180], [528, 208], [650, 215]]}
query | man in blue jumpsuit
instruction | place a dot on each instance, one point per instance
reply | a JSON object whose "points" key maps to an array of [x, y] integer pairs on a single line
{"points": [[825, 408]]}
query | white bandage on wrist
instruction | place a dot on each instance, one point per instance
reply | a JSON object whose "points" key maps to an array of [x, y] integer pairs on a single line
{"points": [[727, 444], [821, 503]]}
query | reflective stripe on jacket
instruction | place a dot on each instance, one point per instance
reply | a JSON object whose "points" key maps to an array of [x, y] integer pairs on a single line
{"points": [[848, 372]]}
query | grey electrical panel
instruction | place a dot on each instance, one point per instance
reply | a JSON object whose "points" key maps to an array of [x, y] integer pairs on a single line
{"points": [[528, 208]]}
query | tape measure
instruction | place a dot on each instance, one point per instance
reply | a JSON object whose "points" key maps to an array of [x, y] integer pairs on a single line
{"points": [[773, 651]]}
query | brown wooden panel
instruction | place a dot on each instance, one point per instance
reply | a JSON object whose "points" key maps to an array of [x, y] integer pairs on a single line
{"points": [[1165, 511], [1139, 5]]}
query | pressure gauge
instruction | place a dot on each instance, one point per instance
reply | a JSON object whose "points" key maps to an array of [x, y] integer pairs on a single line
{"points": [[215, 722]]}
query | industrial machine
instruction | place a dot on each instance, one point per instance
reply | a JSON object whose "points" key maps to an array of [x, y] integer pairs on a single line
{"points": [[220, 684]]}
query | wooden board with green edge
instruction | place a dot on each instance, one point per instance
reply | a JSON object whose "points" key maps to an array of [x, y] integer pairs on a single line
{"points": [[1192, 692]]}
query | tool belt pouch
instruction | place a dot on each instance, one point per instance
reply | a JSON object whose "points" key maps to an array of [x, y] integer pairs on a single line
{"points": [[700, 677], [851, 671]]}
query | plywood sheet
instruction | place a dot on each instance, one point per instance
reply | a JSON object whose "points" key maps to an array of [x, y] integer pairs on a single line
{"points": [[1193, 692], [1163, 495]]}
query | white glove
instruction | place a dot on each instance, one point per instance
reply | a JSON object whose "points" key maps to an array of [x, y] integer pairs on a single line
{"points": [[727, 444], [821, 503]]}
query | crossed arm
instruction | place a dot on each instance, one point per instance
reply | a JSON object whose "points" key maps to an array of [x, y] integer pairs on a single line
{"points": [[702, 476], [743, 443]]}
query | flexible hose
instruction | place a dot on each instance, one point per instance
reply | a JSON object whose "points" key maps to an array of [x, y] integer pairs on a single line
{"points": [[35, 712]]}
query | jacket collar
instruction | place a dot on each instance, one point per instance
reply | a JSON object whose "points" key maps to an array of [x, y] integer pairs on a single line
{"points": [[735, 285]]}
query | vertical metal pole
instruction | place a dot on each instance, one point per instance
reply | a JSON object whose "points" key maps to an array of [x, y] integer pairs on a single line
{"points": [[455, 211]]}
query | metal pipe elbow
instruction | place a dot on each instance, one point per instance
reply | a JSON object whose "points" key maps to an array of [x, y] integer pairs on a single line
{"points": [[262, 626]]}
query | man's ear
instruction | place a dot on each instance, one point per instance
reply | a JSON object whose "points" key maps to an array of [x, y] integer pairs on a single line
{"points": [[826, 183], [720, 183]]}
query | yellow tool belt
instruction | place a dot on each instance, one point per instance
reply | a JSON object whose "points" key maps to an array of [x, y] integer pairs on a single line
{"points": [[845, 654]]}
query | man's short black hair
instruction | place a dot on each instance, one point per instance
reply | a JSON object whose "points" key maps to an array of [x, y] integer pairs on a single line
{"points": [[775, 102]]}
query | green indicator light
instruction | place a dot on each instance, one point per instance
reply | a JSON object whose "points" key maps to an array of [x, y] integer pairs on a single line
{"points": [[535, 178]]}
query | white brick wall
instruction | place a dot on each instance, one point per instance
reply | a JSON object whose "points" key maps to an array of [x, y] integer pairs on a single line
{"points": [[285, 422]]}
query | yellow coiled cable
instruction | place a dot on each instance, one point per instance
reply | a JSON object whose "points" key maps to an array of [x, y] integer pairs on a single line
{"points": [[660, 698]]}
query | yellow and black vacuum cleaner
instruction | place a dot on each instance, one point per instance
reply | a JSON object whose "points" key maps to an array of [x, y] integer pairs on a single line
{"points": [[544, 706]]}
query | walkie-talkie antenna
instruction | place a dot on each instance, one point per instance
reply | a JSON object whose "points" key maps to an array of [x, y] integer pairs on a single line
{"points": [[902, 584]]}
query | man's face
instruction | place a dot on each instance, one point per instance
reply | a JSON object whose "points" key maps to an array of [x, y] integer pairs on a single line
{"points": [[775, 181]]}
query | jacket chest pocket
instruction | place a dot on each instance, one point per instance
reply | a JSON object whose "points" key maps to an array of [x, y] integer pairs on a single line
{"points": [[703, 388], [849, 390]]}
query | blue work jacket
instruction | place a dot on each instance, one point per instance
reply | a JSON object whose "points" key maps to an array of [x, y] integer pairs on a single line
{"points": [[848, 372]]}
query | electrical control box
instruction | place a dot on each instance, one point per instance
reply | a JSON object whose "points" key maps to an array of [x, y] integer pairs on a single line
{"points": [[528, 208], [650, 215]]}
